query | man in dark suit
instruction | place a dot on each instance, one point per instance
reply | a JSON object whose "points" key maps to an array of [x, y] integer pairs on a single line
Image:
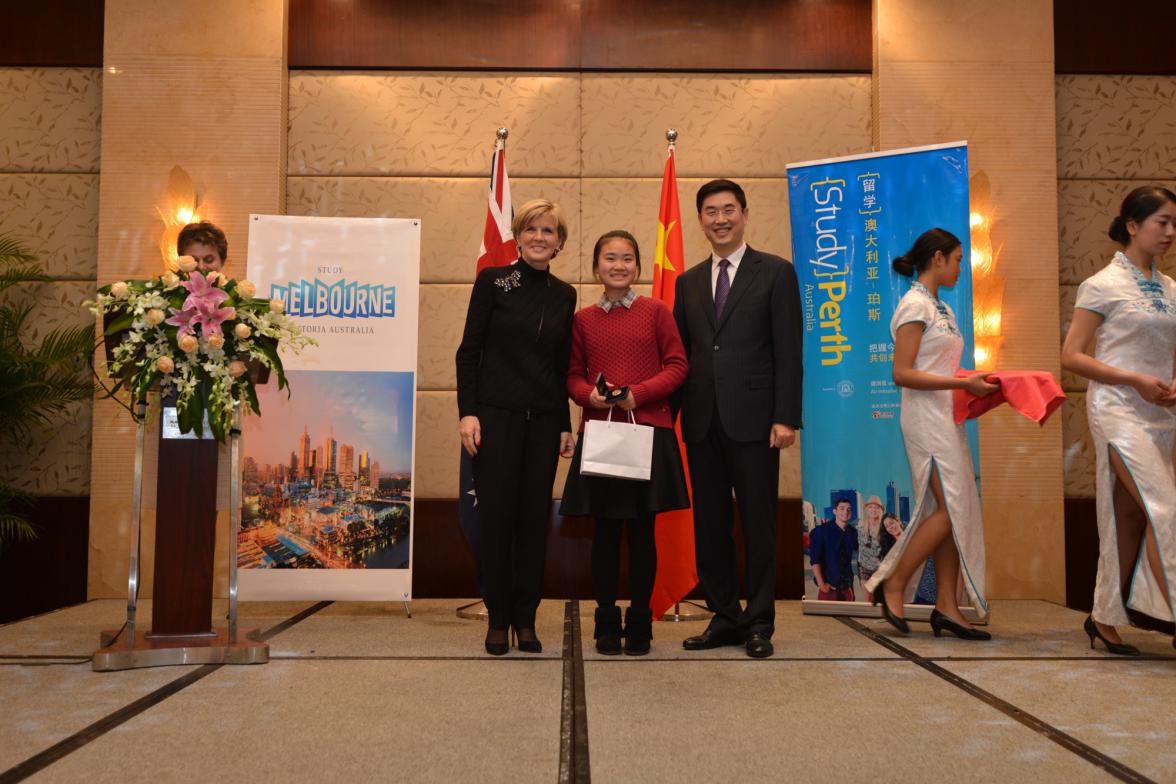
{"points": [[739, 316]]}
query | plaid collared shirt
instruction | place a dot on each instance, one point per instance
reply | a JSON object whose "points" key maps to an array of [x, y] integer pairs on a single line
{"points": [[627, 301]]}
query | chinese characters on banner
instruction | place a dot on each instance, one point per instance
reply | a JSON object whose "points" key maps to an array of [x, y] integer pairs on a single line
{"points": [[850, 218]]}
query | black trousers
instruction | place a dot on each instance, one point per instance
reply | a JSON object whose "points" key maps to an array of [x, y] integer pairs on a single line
{"points": [[513, 474], [718, 466], [606, 560]]}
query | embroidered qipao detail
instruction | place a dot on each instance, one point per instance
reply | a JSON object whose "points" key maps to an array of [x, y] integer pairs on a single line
{"points": [[507, 282], [1152, 297], [945, 324]]}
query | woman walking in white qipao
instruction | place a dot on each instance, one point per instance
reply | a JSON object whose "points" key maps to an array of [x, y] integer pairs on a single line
{"points": [[1129, 308], [946, 522]]}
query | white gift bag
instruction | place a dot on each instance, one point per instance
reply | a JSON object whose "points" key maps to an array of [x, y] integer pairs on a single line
{"points": [[622, 450]]}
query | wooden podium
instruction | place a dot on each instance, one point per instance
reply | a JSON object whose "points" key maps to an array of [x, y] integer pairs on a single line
{"points": [[185, 548]]}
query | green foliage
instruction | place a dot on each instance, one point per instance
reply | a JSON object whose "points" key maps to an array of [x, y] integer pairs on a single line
{"points": [[40, 378]]}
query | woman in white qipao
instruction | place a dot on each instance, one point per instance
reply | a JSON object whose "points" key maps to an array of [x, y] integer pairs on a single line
{"points": [[1129, 309], [946, 524]]}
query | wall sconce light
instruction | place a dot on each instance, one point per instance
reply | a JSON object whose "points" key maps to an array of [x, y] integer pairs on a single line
{"points": [[987, 286], [179, 210]]}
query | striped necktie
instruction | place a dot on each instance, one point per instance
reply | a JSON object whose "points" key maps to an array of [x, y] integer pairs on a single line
{"points": [[722, 287]]}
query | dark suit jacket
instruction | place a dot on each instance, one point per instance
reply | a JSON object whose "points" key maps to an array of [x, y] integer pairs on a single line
{"points": [[748, 362]]}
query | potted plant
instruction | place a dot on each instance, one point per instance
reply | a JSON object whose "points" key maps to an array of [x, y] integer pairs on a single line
{"points": [[40, 378]]}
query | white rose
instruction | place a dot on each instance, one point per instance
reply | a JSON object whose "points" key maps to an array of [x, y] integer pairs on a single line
{"points": [[216, 340], [237, 368], [119, 290], [186, 263], [277, 306], [246, 289], [242, 331], [155, 316], [170, 279]]}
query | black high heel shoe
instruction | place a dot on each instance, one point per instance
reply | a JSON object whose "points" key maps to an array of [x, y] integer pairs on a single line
{"points": [[941, 623], [497, 643], [528, 642], [1117, 648], [880, 598]]}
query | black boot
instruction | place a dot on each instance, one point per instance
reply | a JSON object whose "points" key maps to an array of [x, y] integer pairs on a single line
{"points": [[638, 630], [608, 630]]}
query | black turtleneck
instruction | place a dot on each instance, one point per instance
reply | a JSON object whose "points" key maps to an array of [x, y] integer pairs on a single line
{"points": [[515, 349]]}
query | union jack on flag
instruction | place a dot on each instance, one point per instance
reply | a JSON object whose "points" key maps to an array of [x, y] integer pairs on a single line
{"points": [[498, 243]]}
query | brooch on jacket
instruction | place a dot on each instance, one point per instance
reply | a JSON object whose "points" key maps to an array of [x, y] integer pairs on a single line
{"points": [[511, 281]]}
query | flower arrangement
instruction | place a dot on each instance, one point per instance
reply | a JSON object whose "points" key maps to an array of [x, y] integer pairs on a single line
{"points": [[195, 334]]}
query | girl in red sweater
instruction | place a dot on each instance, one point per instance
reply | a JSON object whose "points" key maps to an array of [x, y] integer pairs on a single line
{"points": [[634, 342]]}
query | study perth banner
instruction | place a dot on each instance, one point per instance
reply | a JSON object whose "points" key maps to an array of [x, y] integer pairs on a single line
{"points": [[850, 218], [327, 472]]}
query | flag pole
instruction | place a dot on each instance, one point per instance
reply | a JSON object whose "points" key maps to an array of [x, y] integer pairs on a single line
{"points": [[476, 610]]}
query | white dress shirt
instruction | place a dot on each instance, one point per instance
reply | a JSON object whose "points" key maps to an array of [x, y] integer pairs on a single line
{"points": [[734, 258]]}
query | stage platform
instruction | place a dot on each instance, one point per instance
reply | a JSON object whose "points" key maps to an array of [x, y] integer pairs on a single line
{"points": [[360, 692]]}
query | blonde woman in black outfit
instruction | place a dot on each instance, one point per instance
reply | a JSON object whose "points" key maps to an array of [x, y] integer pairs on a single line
{"points": [[511, 396]]}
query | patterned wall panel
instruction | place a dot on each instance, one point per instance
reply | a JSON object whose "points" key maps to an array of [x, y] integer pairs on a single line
{"points": [[1116, 126], [632, 204], [56, 461], [745, 126], [387, 144], [49, 119], [49, 156], [56, 216], [431, 123], [1078, 448], [452, 212], [437, 445], [442, 319], [1085, 211]]}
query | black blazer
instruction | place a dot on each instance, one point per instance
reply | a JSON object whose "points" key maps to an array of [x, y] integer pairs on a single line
{"points": [[747, 364]]}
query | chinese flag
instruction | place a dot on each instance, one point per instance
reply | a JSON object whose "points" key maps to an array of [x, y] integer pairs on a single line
{"points": [[676, 574]]}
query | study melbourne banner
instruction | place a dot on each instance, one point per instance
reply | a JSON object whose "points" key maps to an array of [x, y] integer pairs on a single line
{"points": [[850, 218], [327, 471]]}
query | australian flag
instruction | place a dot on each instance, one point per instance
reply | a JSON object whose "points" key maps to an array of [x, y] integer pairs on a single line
{"points": [[498, 248]]}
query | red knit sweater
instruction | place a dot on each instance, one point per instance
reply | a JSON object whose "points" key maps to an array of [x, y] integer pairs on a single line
{"points": [[638, 347]]}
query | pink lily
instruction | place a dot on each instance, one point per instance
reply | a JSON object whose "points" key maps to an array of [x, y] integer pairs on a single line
{"points": [[210, 317], [183, 320], [200, 289]]}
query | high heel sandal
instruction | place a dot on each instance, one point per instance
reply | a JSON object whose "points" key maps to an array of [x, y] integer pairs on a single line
{"points": [[880, 598], [497, 642], [1117, 648], [941, 623]]}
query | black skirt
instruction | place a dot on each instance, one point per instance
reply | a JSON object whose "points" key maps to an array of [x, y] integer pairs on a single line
{"points": [[625, 499]]}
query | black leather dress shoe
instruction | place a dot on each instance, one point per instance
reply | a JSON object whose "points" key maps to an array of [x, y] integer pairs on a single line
{"points": [[711, 639], [759, 646]]}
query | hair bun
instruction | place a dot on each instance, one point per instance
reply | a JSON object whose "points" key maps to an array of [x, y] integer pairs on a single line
{"points": [[903, 266], [1118, 231]]}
